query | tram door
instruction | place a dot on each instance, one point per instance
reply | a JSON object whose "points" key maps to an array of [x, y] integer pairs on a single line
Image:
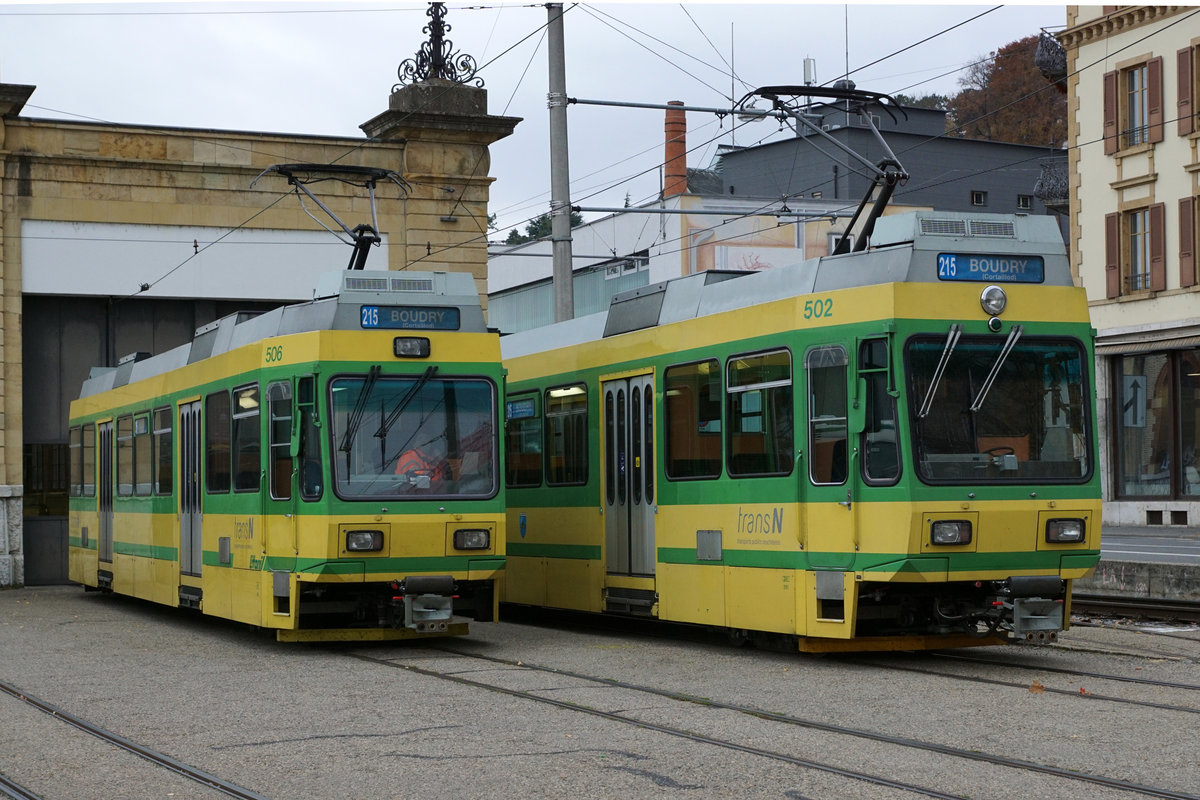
{"points": [[190, 446], [279, 495], [629, 475], [104, 492], [829, 513]]}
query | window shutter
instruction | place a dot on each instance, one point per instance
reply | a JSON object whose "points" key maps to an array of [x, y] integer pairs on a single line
{"points": [[1187, 119], [1154, 86], [1110, 113], [1187, 242], [1158, 248], [1112, 255]]}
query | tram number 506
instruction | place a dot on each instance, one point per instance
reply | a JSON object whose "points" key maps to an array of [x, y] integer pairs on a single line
{"points": [[273, 354], [818, 309]]}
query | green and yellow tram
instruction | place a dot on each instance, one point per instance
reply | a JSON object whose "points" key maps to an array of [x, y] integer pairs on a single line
{"points": [[888, 448], [328, 470]]}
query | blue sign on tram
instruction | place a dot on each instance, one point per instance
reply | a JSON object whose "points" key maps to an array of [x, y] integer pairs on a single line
{"points": [[415, 318], [985, 268]]}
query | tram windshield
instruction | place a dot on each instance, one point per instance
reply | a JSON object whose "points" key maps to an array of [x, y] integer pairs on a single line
{"points": [[986, 409], [413, 437]]}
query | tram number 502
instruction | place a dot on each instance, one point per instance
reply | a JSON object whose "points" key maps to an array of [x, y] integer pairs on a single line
{"points": [[818, 309], [273, 354]]}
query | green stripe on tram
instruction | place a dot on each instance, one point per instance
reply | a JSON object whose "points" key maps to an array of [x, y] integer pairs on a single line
{"points": [[146, 551], [583, 552], [875, 562]]}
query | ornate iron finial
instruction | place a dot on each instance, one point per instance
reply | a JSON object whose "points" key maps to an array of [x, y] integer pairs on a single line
{"points": [[436, 58]]}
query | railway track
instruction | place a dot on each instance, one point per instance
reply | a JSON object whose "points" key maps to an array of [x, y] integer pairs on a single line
{"points": [[1161, 610], [160, 759], [15, 791], [457, 676]]}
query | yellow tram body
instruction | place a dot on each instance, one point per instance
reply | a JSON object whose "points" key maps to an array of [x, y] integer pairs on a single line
{"points": [[775, 550], [289, 534]]}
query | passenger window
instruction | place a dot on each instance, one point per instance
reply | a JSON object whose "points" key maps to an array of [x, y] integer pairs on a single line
{"points": [[692, 410], [523, 441], [89, 460], [566, 435], [247, 440], [142, 463], [827, 423], [880, 443], [75, 451], [164, 468], [311, 481], [279, 401], [217, 443], [125, 456], [760, 434]]}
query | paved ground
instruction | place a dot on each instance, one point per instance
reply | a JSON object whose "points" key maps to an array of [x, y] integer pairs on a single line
{"points": [[416, 721]]}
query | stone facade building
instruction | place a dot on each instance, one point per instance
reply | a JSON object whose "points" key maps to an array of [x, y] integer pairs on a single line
{"points": [[120, 238], [1133, 74]]}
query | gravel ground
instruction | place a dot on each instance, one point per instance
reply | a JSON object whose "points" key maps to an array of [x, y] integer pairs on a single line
{"points": [[290, 721]]}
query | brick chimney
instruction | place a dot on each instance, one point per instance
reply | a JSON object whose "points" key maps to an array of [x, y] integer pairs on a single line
{"points": [[675, 174]]}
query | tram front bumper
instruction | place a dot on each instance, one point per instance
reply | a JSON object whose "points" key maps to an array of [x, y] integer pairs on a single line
{"points": [[427, 602], [1036, 604]]}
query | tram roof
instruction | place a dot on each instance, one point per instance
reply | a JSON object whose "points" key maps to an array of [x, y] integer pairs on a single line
{"points": [[904, 249], [337, 305]]}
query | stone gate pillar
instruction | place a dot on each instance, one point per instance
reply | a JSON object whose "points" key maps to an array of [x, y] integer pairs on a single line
{"points": [[439, 111]]}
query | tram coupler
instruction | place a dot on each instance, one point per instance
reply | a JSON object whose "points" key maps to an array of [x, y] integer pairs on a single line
{"points": [[427, 602], [1035, 603]]}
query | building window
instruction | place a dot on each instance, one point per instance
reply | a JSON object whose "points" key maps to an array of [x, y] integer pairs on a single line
{"points": [[1137, 106], [1024, 202], [1189, 233], [1135, 225], [1158, 397], [1134, 251], [46, 476], [1133, 112], [978, 198]]}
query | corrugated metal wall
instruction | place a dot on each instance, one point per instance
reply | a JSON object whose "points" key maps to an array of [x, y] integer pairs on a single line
{"points": [[62, 339]]}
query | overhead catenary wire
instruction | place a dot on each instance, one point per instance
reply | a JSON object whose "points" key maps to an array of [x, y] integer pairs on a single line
{"points": [[643, 172]]}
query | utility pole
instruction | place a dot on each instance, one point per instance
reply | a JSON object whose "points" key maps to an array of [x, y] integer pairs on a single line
{"points": [[560, 179]]}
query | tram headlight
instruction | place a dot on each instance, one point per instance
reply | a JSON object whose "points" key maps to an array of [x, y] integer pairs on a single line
{"points": [[993, 300], [950, 531], [364, 541], [1065, 531], [410, 347], [472, 539]]}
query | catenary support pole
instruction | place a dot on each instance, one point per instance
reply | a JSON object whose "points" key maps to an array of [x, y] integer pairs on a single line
{"points": [[560, 179]]}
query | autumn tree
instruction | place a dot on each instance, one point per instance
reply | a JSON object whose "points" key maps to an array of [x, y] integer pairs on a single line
{"points": [[1005, 98]]}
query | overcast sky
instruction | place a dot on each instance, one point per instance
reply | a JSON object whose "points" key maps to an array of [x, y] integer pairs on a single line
{"points": [[328, 67]]}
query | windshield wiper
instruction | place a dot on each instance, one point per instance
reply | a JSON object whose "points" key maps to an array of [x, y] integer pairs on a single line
{"points": [[1013, 335], [360, 406], [404, 401], [951, 342]]}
